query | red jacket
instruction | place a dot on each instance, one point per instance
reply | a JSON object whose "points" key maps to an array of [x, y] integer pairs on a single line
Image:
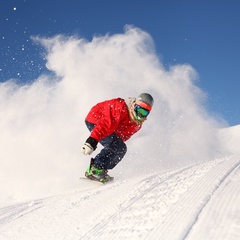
{"points": [[112, 116]]}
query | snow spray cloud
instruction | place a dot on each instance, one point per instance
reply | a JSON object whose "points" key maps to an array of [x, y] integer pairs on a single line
{"points": [[42, 123]]}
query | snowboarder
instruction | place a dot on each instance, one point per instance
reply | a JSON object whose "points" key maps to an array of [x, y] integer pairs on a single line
{"points": [[111, 123]]}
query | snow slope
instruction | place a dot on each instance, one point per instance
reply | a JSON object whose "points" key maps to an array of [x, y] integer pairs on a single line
{"points": [[195, 202], [231, 139]]}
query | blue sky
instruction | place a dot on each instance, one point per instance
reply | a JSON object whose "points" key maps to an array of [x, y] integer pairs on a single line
{"points": [[204, 34]]}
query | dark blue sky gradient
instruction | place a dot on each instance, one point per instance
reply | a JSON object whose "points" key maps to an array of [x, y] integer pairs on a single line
{"points": [[204, 34]]}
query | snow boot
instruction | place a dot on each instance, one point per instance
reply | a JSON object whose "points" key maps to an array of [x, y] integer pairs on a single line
{"points": [[95, 173]]}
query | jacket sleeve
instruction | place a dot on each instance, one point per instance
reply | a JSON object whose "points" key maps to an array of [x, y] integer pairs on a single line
{"points": [[110, 117]]}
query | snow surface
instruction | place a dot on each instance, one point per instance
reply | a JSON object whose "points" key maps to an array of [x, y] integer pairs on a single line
{"points": [[195, 202], [178, 180]]}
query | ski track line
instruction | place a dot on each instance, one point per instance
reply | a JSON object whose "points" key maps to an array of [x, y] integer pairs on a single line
{"points": [[224, 210], [13, 212], [157, 194], [190, 206]]}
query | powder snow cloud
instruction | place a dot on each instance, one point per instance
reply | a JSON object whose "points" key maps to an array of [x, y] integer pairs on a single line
{"points": [[42, 123]]}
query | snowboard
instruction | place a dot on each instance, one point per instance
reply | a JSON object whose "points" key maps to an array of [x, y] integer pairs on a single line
{"points": [[96, 181]]}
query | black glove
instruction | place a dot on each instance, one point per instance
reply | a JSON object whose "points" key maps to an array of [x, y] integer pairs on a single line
{"points": [[89, 146]]}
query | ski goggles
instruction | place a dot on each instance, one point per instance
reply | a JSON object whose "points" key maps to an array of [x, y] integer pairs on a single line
{"points": [[140, 112]]}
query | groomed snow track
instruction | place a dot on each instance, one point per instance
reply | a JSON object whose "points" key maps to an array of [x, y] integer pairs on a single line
{"points": [[193, 203], [161, 203]]}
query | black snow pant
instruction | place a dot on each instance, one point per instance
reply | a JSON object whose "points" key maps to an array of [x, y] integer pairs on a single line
{"points": [[113, 150]]}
